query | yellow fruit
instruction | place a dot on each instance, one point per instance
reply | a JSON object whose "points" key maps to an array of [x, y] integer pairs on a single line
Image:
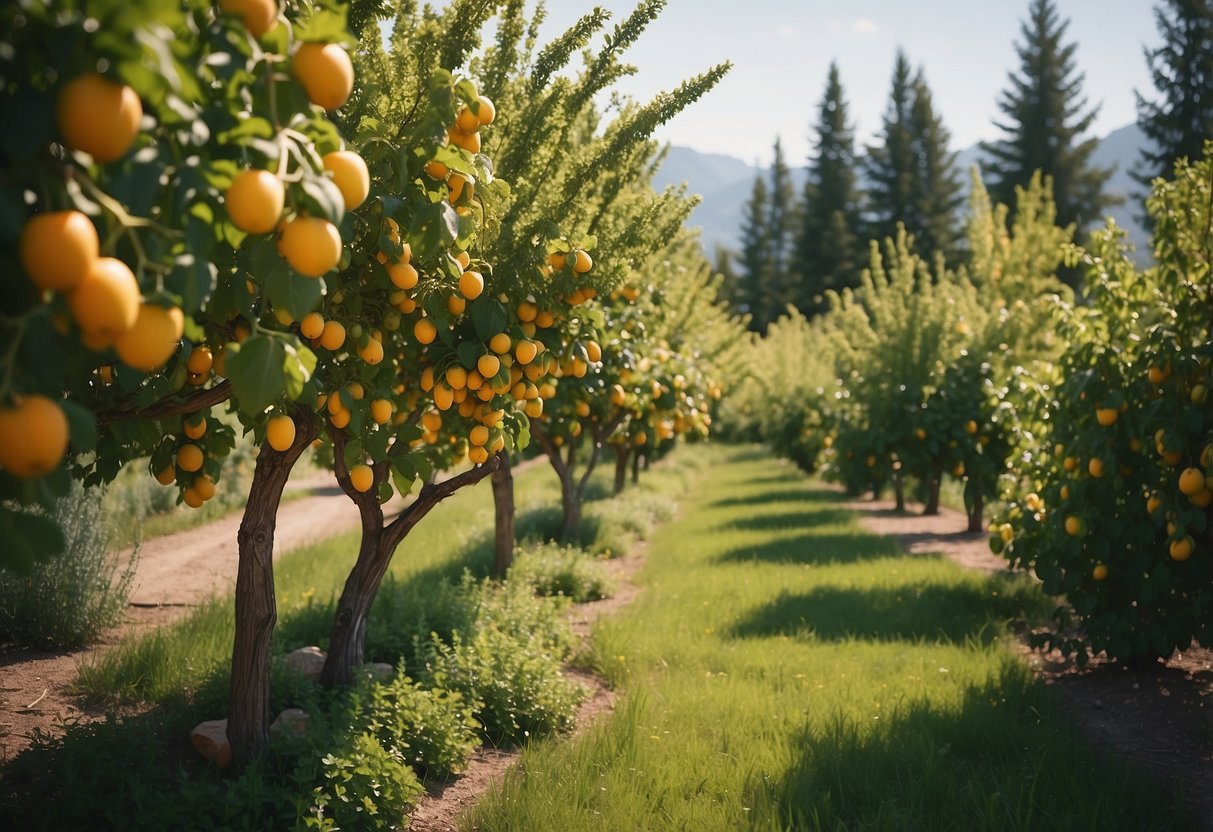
{"points": [[192, 498], [527, 311], [1095, 467], [1006, 532], [467, 121], [618, 395], [166, 475], [381, 411], [526, 351], [255, 200], [459, 186], [312, 245], [1202, 498], [194, 428], [582, 262], [33, 436], [204, 486], [1107, 416], [488, 365], [280, 432], [558, 260], [1191, 480], [456, 377], [325, 72], [362, 478], [372, 352], [189, 458], [545, 319], [455, 304], [340, 419], [971, 427], [350, 175], [200, 360], [99, 116], [471, 284], [1073, 526], [1181, 549], [332, 337], [500, 343], [436, 170], [485, 111], [1099, 572], [312, 325], [153, 339], [534, 408], [593, 351], [479, 435], [1153, 503], [57, 248], [444, 396], [582, 409], [477, 455], [403, 275], [258, 16], [105, 303], [1069, 463], [1158, 375], [424, 331]]}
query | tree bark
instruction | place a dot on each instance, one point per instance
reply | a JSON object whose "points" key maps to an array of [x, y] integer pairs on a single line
{"points": [[976, 510], [636, 466], [621, 467], [503, 505], [899, 491], [934, 482], [570, 504], [379, 543], [256, 609]]}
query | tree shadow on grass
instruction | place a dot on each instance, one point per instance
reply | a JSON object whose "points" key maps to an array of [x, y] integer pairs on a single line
{"points": [[814, 549], [1004, 758], [761, 497], [790, 520], [931, 612]]}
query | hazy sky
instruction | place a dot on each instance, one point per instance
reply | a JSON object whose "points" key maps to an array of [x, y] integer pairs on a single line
{"points": [[781, 51]]}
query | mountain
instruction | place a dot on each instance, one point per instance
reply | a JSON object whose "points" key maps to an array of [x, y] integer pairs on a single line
{"points": [[724, 183]]}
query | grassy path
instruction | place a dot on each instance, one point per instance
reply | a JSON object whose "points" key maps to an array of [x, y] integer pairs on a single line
{"points": [[782, 669]]}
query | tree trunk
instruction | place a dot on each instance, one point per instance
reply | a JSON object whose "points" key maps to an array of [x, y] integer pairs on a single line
{"points": [[646, 463], [934, 482], [570, 503], [976, 509], [621, 467], [503, 505], [256, 610], [899, 490], [636, 466], [347, 635]]}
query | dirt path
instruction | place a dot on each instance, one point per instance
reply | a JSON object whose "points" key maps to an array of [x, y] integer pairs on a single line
{"points": [[1160, 718]]}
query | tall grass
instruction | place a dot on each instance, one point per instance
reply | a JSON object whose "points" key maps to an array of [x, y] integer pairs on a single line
{"points": [[783, 670]]}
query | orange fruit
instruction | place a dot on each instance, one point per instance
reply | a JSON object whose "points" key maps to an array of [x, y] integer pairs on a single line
{"points": [[534, 408], [582, 262], [1095, 467], [1181, 549], [153, 339], [105, 303], [340, 419], [332, 336], [488, 365], [594, 352], [479, 435], [500, 343], [485, 111], [325, 72], [362, 478], [459, 185], [192, 498], [618, 395], [312, 325], [444, 396], [455, 304], [1191, 480], [194, 427], [98, 116], [468, 141], [527, 311], [280, 432], [200, 360], [467, 121], [1107, 416], [372, 352], [381, 411], [425, 331], [1202, 498], [33, 436], [1073, 526], [402, 274], [436, 170], [312, 245], [456, 377], [204, 486], [189, 457], [477, 455], [1099, 572], [526, 351], [351, 176], [57, 248], [167, 475], [471, 284], [558, 260], [258, 16], [255, 200]]}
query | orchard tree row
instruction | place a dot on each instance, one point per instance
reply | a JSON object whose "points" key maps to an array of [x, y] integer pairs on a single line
{"points": [[276, 219], [1087, 424]]}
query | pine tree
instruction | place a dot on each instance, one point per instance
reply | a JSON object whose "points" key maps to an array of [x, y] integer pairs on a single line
{"points": [[890, 164], [829, 251], [1182, 71], [1046, 113], [754, 258], [782, 220]]}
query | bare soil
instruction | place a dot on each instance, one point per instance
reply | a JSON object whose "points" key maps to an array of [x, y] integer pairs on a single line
{"points": [[1160, 718]]}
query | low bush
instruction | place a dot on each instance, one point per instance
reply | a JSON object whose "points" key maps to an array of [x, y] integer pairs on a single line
{"points": [[563, 571]]}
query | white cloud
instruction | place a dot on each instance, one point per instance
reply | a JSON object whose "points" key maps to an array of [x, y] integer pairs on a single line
{"points": [[788, 32], [864, 26]]}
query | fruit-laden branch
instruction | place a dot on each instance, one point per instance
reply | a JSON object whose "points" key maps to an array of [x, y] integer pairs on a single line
{"points": [[198, 400], [431, 495]]}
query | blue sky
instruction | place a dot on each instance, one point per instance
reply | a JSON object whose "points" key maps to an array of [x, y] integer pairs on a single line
{"points": [[781, 51]]}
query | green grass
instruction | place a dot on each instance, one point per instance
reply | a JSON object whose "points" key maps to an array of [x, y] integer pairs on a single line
{"points": [[781, 669]]}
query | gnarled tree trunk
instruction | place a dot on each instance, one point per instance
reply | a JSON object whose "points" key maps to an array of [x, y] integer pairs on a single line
{"points": [[622, 452], [256, 609], [504, 515], [976, 509], [934, 482]]}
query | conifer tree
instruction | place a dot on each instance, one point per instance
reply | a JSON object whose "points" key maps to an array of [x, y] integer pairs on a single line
{"points": [[890, 164], [1182, 71], [829, 251], [754, 255], [782, 221], [938, 194], [1045, 117]]}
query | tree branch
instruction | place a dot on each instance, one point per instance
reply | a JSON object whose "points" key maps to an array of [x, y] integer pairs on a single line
{"points": [[197, 400], [431, 495]]}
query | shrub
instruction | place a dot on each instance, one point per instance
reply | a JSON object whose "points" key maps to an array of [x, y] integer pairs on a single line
{"points": [[366, 786], [68, 599], [562, 570]]}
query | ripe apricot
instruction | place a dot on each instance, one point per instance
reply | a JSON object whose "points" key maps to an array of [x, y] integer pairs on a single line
{"points": [[403, 275], [33, 436], [99, 116], [258, 16], [325, 72], [153, 339], [280, 432], [488, 365], [57, 248], [312, 245], [381, 411], [350, 175], [312, 325], [255, 200], [425, 331], [471, 284], [582, 262], [105, 303], [189, 457]]}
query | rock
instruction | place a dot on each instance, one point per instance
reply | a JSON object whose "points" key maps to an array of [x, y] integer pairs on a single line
{"points": [[377, 671], [292, 722], [308, 662], [210, 738]]}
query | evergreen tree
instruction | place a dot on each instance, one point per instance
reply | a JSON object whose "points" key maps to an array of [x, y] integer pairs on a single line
{"points": [[754, 258], [913, 176], [829, 251], [1182, 71], [779, 289], [1046, 113]]}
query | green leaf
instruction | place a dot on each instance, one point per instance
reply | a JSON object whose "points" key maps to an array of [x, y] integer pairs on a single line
{"points": [[82, 426], [469, 352], [299, 364], [324, 198], [193, 280], [290, 291], [258, 373]]}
